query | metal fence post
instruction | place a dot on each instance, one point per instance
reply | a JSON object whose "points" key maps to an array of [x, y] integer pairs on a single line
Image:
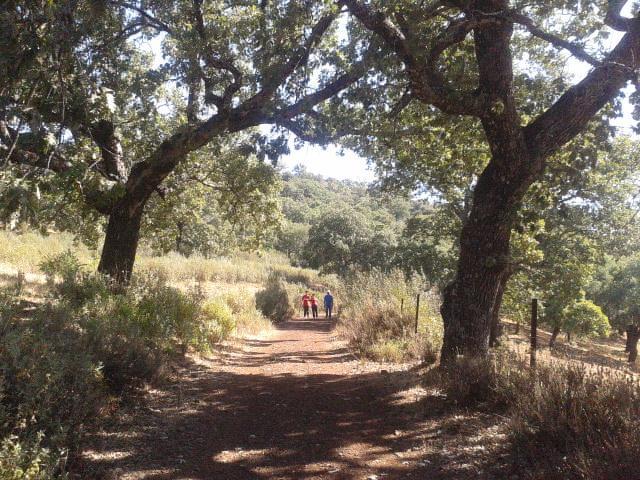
{"points": [[417, 311], [534, 330]]}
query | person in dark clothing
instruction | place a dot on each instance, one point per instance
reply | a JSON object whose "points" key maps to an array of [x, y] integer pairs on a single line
{"points": [[328, 304], [314, 306]]}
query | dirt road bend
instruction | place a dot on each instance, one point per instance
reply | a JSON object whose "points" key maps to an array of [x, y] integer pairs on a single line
{"points": [[294, 404]]}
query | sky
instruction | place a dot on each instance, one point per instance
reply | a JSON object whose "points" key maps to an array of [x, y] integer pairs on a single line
{"points": [[330, 162]]}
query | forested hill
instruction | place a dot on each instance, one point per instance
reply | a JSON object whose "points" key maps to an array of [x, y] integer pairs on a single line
{"points": [[336, 224]]}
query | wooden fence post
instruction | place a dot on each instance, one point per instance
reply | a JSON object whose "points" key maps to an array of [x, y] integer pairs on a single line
{"points": [[401, 306], [417, 311], [534, 331]]}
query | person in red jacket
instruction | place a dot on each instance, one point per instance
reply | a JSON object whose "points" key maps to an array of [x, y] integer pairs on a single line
{"points": [[306, 302], [314, 306]]}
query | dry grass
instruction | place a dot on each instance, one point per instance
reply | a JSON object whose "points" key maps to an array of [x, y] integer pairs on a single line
{"points": [[563, 420]]}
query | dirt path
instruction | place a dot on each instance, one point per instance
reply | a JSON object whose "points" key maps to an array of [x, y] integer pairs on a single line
{"points": [[294, 405]]}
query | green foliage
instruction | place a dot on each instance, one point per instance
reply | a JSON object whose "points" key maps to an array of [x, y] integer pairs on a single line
{"points": [[617, 288], [343, 241], [223, 199], [586, 318], [51, 385], [23, 461], [278, 300], [217, 322]]}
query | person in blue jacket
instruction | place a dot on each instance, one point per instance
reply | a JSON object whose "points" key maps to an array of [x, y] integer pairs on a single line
{"points": [[328, 304]]}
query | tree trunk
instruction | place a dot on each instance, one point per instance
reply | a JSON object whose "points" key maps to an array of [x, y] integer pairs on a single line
{"points": [[473, 298], [554, 336], [568, 337], [633, 335], [180, 236], [120, 245]]}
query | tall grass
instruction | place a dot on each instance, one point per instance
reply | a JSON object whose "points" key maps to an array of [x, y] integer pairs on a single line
{"points": [[378, 317], [25, 252]]}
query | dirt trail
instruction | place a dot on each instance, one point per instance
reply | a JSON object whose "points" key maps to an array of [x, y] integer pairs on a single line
{"points": [[293, 405]]}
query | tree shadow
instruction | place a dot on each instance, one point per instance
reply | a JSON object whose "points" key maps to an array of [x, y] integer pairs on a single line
{"points": [[229, 425]]}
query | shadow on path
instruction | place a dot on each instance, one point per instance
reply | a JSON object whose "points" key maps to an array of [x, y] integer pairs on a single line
{"points": [[235, 419]]}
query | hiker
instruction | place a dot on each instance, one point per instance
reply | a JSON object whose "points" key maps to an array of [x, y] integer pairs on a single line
{"points": [[328, 304], [314, 306], [306, 300]]}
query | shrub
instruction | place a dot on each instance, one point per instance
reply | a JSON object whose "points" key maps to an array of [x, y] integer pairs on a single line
{"points": [[248, 319], [23, 461], [50, 386], [76, 285], [564, 421], [372, 321], [575, 423], [217, 322], [277, 301]]}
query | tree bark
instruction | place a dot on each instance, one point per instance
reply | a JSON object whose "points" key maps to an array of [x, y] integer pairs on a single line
{"points": [[120, 245], [633, 335], [473, 299], [554, 336]]}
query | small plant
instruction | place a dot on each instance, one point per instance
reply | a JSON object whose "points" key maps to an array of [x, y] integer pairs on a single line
{"points": [[23, 461]]}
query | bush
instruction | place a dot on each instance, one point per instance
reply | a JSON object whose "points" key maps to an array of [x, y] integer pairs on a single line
{"points": [[217, 322], [57, 367], [573, 423], [277, 301], [372, 321], [564, 422], [21, 461], [50, 386], [76, 285]]}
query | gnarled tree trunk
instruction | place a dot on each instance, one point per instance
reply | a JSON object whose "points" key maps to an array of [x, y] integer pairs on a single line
{"points": [[633, 335], [120, 245], [473, 299]]}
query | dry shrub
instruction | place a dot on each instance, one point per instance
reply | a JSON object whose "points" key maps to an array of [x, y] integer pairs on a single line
{"points": [[372, 321], [576, 423], [248, 319], [564, 422]]}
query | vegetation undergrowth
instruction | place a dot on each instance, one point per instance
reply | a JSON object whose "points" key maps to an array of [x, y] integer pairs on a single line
{"points": [[378, 318], [563, 421], [65, 360]]}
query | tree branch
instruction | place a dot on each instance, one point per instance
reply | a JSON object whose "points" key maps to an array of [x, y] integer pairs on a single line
{"points": [[159, 25], [215, 61], [54, 163], [576, 50], [426, 86], [568, 116], [614, 19], [273, 80]]}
